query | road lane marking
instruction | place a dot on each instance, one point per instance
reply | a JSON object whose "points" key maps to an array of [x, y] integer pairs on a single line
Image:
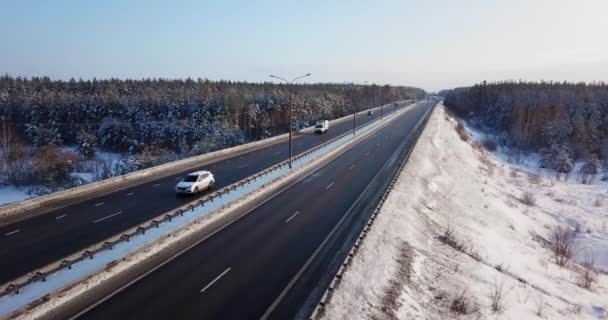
{"points": [[61, 216], [156, 185], [178, 178], [12, 232], [243, 166], [276, 153], [130, 193], [293, 216], [107, 217], [329, 186], [215, 280], [351, 167], [98, 204]]}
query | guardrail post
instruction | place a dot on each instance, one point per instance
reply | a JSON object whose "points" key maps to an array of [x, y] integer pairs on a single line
{"points": [[154, 223], [40, 275], [125, 237], [141, 230], [89, 254], [168, 217], [66, 263], [107, 245], [12, 288]]}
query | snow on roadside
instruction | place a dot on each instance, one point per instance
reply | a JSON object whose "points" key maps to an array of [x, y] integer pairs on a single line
{"points": [[11, 194], [404, 271]]}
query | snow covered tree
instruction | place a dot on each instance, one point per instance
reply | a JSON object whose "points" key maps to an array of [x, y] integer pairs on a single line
{"points": [[86, 144], [589, 170], [114, 134], [563, 163]]}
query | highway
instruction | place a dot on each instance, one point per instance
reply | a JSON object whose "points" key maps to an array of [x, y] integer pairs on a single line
{"points": [[36, 242], [245, 270]]}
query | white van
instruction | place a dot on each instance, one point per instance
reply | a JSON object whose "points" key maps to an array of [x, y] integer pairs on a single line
{"points": [[322, 126]]}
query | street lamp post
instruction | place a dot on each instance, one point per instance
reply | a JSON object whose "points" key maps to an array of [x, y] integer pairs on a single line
{"points": [[289, 87], [354, 101]]}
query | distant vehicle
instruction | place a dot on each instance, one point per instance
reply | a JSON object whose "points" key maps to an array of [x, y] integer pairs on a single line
{"points": [[370, 112], [195, 182], [322, 126]]}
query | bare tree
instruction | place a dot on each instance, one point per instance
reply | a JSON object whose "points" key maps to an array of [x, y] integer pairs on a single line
{"points": [[497, 296], [588, 274], [6, 138], [540, 305], [562, 244], [528, 199]]}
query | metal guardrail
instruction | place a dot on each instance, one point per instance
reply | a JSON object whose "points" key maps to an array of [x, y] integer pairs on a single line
{"points": [[41, 274], [320, 308]]}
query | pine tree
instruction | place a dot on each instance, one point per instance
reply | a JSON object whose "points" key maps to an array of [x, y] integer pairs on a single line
{"points": [[86, 144]]}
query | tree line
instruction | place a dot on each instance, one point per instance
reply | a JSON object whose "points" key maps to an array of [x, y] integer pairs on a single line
{"points": [[152, 121], [563, 121]]}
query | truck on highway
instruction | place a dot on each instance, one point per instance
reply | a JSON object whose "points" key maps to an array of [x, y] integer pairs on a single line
{"points": [[322, 126]]}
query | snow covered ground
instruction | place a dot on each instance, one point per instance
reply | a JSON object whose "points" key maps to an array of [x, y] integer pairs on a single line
{"points": [[11, 194], [404, 269]]}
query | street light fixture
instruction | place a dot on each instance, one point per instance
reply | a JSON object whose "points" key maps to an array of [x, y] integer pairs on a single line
{"points": [[289, 87]]}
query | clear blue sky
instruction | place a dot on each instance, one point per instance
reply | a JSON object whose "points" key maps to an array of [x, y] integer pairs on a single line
{"points": [[432, 44]]}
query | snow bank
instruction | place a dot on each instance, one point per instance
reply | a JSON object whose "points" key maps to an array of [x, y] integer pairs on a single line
{"points": [[10, 194], [403, 269]]}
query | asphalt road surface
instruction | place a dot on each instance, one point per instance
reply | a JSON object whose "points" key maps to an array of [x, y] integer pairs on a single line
{"points": [[36, 242], [242, 271]]}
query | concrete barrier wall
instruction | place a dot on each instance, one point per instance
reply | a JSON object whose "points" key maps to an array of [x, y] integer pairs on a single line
{"points": [[22, 210]]}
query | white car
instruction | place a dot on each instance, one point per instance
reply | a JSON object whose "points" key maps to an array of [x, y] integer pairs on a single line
{"points": [[195, 182]]}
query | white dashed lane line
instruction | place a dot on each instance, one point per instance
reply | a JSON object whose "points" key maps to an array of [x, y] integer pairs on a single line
{"points": [[276, 153], [130, 193], [243, 166], [352, 167], [215, 280], [107, 217], [156, 185], [12, 232], [292, 216], [329, 186], [61, 216], [97, 204]]}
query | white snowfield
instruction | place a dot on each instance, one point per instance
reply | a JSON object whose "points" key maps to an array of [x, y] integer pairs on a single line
{"points": [[404, 271]]}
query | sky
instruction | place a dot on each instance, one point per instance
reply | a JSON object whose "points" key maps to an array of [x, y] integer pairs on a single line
{"points": [[433, 44]]}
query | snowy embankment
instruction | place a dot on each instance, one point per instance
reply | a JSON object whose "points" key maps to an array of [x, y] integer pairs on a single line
{"points": [[411, 267]]}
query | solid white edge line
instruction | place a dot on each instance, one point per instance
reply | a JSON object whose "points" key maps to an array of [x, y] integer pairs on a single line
{"points": [[107, 217], [215, 280], [292, 216], [12, 232]]}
